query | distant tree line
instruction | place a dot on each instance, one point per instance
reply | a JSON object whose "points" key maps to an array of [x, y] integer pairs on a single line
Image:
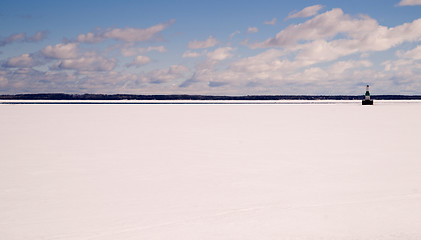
{"points": [[64, 96]]}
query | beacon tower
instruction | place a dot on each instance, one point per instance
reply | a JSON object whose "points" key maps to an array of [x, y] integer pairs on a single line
{"points": [[367, 100]]}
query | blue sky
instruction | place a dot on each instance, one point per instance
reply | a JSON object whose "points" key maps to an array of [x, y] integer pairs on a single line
{"points": [[210, 47]]}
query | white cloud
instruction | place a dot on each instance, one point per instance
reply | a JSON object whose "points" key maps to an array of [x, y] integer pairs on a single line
{"points": [[86, 63], [209, 42], [37, 36], [30, 80], [61, 51], [342, 66], [396, 65], [292, 60], [322, 51], [407, 62], [191, 54], [3, 78], [271, 22], [128, 50], [234, 33], [90, 38], [306, 12], [13, 38], [414, 54], [409, 2], [133, 34], [314, 40], [21, 37], [310, 75], [273, 68], [383, 38], [252, 30], [220, 54], [167, 75], [259, 67], [139, 61], [323, 26], [160, 49], [33, 81], [22, 61], [265, 61], [125, 34]]}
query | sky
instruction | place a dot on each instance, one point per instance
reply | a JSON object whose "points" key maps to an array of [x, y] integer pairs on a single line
{"points": [[229, 47]]}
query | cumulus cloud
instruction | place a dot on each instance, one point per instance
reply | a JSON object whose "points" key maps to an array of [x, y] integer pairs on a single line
{"points": [[86, 63], [234, 33], [267, 70], [271, 22], [22, 61], [314, 40], [202, 76], [261, 64], [252, 30], [402, 65], [306, 12], [90, 38], [13, 38], [408, 61], [136, 35], [128, 50], [125, 34], [191, 54], [323, 26], [220, 54], [22, 37], [160, 49], [310, 75], [322, 51], [61, 51], [209, 42], [273, 67], [37, 36], [290, 61], [139, 61], [342, 66], [322, 39], [204, 71], [167, 75], [414, 54], [244, 70], [409, 2], [3, 78], [33, 81]]}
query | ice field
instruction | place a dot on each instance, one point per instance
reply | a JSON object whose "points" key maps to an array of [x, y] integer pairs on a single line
{"points": [[291, 171]]}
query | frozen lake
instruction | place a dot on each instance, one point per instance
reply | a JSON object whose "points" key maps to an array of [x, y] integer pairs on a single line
{"points": [[326, 171]]}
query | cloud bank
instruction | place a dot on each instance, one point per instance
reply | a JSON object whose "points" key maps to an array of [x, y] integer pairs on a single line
{"points": [[329, 50], [409, 2], [209, 42], [125, 34], [306, 12], [271, 22], [22, 37]]}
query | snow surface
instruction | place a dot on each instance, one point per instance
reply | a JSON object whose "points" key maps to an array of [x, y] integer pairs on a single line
{"points": [[190, 171]]}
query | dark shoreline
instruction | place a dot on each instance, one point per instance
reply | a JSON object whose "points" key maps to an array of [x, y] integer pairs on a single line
{"points": [[64, 96]]}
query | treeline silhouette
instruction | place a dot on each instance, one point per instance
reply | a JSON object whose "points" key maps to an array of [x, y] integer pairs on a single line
{"points": [[64, 96]]}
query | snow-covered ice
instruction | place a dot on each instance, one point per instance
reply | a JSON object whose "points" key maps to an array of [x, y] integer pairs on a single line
{"points": [[188, 171]]}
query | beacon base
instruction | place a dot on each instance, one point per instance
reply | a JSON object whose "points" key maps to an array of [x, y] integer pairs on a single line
{"points": [[367, 102]]}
